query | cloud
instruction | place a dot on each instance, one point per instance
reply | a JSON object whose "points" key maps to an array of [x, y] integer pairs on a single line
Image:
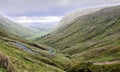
{"points": [[48, 7], [33, 19], [29, 12]]}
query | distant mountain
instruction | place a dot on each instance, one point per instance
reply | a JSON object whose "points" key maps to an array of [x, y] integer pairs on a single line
{"points": [[90, 36], [16, 28]]}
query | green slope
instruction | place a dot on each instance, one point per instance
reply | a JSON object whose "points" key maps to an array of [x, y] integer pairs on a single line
{"points": [[93, 37], [16, 28], [89, 30], [14, 57]]}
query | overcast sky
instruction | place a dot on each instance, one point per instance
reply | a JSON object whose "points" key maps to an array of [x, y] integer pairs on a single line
{"points": [[46, 10]]}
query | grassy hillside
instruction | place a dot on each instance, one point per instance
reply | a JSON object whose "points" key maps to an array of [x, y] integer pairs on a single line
{"points": [[89, 30], [70, 18], [16, 28], [93, 37], [19, 55]]}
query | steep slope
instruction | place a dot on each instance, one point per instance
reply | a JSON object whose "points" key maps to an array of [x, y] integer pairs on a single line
{"points": [[16, 28], [93, 37], [19, 55], [88, 29], [70, 18]]}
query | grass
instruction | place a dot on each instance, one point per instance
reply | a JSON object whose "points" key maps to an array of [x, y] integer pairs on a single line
{"points": [[106, 68], [2, 69], [5, 63], [61, 61], [90, 67], [93, 37], [38, 35], [23, 61]]}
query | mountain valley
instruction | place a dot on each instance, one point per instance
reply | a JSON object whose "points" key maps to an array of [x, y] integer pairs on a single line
{"points": [[83, 41]]}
